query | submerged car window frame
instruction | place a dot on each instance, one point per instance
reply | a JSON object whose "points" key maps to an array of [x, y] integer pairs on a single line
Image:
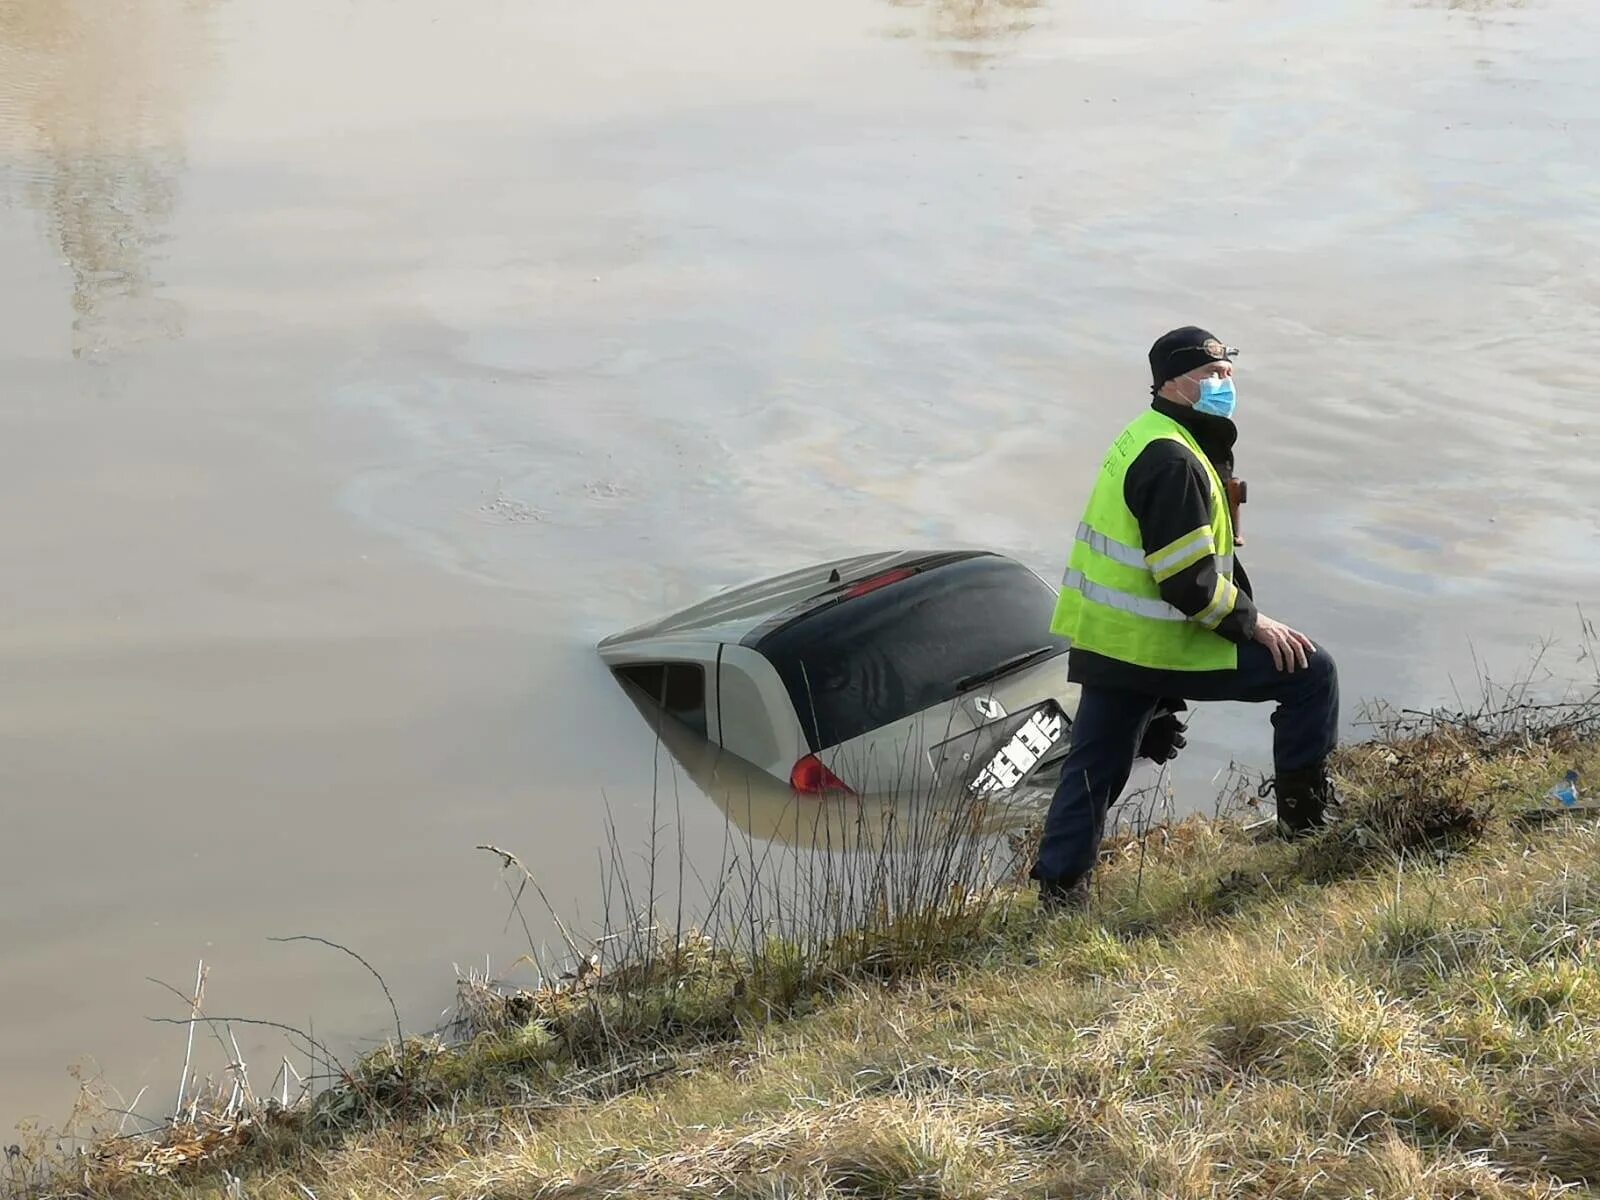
{"points": [[666, 665]]}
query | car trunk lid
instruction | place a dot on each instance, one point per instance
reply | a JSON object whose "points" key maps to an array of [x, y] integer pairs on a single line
{"points": [[994, 738]]}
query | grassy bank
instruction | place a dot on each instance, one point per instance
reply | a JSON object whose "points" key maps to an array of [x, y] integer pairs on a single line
{"points": [[1407, 1005]]}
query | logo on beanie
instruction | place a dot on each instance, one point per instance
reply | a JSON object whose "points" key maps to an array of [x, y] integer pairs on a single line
{"points": [[1214, 348]]}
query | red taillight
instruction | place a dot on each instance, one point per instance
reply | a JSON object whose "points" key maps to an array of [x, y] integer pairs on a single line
{"points": [[811, 778], [876, 582]]}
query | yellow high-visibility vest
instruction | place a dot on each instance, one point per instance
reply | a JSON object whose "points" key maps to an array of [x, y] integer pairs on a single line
{"points": [[1110, 599]]}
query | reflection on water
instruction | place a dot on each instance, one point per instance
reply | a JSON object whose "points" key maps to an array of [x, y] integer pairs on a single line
{"points": [[106, 211], [764, 808], [91, 104], [1471, 5], [970, 33], [1479, 13]]}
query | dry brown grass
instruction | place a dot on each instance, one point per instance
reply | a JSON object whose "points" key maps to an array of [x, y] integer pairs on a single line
{"points": [[1406, 1006]]}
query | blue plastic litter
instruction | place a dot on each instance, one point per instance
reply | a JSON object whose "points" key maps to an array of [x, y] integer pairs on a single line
{"points": [[1567, 792]]}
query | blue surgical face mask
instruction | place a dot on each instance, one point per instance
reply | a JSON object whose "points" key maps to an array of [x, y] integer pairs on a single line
{"points": [[1216, 397]]}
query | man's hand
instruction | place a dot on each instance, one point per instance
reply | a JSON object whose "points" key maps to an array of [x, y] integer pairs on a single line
{"points": [[1289, 647]]}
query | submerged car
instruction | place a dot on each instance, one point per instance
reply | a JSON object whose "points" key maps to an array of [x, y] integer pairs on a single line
{"points": [[883, 673]]}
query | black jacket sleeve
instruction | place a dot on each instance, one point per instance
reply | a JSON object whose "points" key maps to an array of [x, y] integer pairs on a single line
{"points": [[1169, 494]]}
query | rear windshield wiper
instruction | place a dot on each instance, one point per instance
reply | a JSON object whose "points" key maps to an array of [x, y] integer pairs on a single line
{"points": [[1004, 668]]}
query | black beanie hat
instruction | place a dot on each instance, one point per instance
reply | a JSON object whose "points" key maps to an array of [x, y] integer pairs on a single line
{"points": [[1182, 350]]}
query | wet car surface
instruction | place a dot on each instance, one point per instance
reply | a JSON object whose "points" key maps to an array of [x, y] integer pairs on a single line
{"points": [[883, 673]]}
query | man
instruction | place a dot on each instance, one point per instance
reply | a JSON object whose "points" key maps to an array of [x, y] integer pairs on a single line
{"points": [[1159, 611]]}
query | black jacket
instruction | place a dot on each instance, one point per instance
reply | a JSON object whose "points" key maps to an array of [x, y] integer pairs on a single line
{"points": [[1167, 491]]}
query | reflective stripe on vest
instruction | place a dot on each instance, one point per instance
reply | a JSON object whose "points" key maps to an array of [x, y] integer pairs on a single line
{"points": [[1190, 551], [1133, 556], [1156, 610], [1128, 556], [1224, 596]]}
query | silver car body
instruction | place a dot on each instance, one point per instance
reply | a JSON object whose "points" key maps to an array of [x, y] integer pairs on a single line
{"points": [[748, 710]]}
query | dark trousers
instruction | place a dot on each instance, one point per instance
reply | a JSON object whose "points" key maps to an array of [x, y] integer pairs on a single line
{"points": [[1110, 724]]}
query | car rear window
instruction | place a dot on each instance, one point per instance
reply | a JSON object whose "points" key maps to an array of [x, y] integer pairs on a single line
{"points": [[879, 657]]}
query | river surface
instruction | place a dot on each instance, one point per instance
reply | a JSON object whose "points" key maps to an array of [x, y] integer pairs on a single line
{"points": [[362, 363]]}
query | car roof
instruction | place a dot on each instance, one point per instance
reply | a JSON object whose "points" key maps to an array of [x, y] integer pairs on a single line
{"points": [[737, 613]]}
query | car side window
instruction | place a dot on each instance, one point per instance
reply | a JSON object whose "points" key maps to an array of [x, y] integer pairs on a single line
{"points": [[679, 688]]}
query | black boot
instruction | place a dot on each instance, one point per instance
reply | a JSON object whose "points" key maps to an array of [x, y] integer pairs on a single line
{"points": [[1057, 896], [1303, 800]]}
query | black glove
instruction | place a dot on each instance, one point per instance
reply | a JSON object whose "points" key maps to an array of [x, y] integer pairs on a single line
{"points": [[1163, 735]]}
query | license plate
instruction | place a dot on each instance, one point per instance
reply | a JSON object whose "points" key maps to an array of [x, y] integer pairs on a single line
{"points": [[1012, 762]]}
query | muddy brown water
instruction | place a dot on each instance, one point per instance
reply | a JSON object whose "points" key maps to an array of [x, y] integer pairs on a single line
{"points": [[364, 363]]}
